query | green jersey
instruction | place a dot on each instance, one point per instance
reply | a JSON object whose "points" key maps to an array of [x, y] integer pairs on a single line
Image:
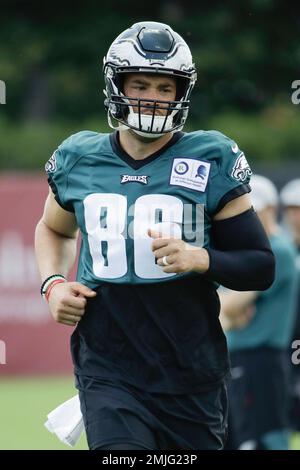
{"points": [[116, 198]]}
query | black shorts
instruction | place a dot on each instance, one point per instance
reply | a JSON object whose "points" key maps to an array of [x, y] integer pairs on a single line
{"points": [[258, 393], [117, 413]]}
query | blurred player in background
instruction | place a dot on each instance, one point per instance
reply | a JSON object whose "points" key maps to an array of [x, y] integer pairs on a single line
{"points": [[149, 353], [259, 328], [290, 200]]}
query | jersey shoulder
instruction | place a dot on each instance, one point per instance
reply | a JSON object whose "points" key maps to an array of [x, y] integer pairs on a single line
{"points": [[221, 151], [80, 144], [67, 155], [211, 141]]}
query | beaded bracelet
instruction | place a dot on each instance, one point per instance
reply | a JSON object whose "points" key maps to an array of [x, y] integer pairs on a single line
{"points": [[48, 281]]}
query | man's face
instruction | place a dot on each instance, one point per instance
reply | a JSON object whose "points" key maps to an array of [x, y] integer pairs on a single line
{"points": [[150, 87]]}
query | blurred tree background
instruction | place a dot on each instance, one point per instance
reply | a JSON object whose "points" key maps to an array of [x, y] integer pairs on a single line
{"points": [[247, 55]]}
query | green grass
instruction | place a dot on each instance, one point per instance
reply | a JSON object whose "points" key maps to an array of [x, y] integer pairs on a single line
{"points": [[24, 405], [295, 441]]}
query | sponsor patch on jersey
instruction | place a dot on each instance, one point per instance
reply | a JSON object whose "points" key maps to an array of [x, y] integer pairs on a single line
{"points": [[142, 179], [51, 165], [241, 170], [190, 173]]}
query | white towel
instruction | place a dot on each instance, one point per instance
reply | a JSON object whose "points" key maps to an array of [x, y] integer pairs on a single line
{"points": [[66, 421]]}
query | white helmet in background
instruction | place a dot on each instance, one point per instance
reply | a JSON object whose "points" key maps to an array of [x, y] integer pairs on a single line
{"points": [[264, 193], [290, 193], [148, 47]]}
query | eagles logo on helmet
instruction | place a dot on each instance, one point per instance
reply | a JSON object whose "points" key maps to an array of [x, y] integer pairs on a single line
{"points": [[148, 47]]}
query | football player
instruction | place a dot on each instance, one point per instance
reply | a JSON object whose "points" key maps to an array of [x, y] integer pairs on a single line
{"points": [[290, 200], [164, 216], [259, 338]]}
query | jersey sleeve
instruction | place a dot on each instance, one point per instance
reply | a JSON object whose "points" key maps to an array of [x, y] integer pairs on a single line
{"points": [[58, 177], [230, 178], [62, 163]]}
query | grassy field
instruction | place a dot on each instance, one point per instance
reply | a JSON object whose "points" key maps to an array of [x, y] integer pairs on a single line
{"points": [[24, 406]]}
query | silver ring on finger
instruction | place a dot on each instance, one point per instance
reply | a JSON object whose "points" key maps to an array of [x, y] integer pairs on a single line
{"points": [[165, 261]]}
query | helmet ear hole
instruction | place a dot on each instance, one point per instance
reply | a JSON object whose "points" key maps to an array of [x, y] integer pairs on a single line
{"points": [[120, 79], [117, 107], [181, 87], [121, 109]]}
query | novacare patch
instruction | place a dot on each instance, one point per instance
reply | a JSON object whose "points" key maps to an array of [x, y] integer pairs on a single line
{"points": [[190, 173]]}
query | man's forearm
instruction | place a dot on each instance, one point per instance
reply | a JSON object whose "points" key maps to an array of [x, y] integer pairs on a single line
{"points": [[55, 253], [240, 256]]}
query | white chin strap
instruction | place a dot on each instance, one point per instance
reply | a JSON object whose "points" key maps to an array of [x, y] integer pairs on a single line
{"points": [[146, 120]]}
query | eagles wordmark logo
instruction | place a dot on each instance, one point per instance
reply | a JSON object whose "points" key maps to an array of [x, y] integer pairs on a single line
{"points": [[142, 179], [51, 166]]}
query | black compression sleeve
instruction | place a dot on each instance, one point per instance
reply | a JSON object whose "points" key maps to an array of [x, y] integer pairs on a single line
{"points": [[240, 256]]}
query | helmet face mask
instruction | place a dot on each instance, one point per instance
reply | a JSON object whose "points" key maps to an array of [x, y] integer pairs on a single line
{"points": [[155, 49]]}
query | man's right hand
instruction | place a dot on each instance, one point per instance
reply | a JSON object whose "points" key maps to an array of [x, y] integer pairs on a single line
{"points": [[67, 301]]}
